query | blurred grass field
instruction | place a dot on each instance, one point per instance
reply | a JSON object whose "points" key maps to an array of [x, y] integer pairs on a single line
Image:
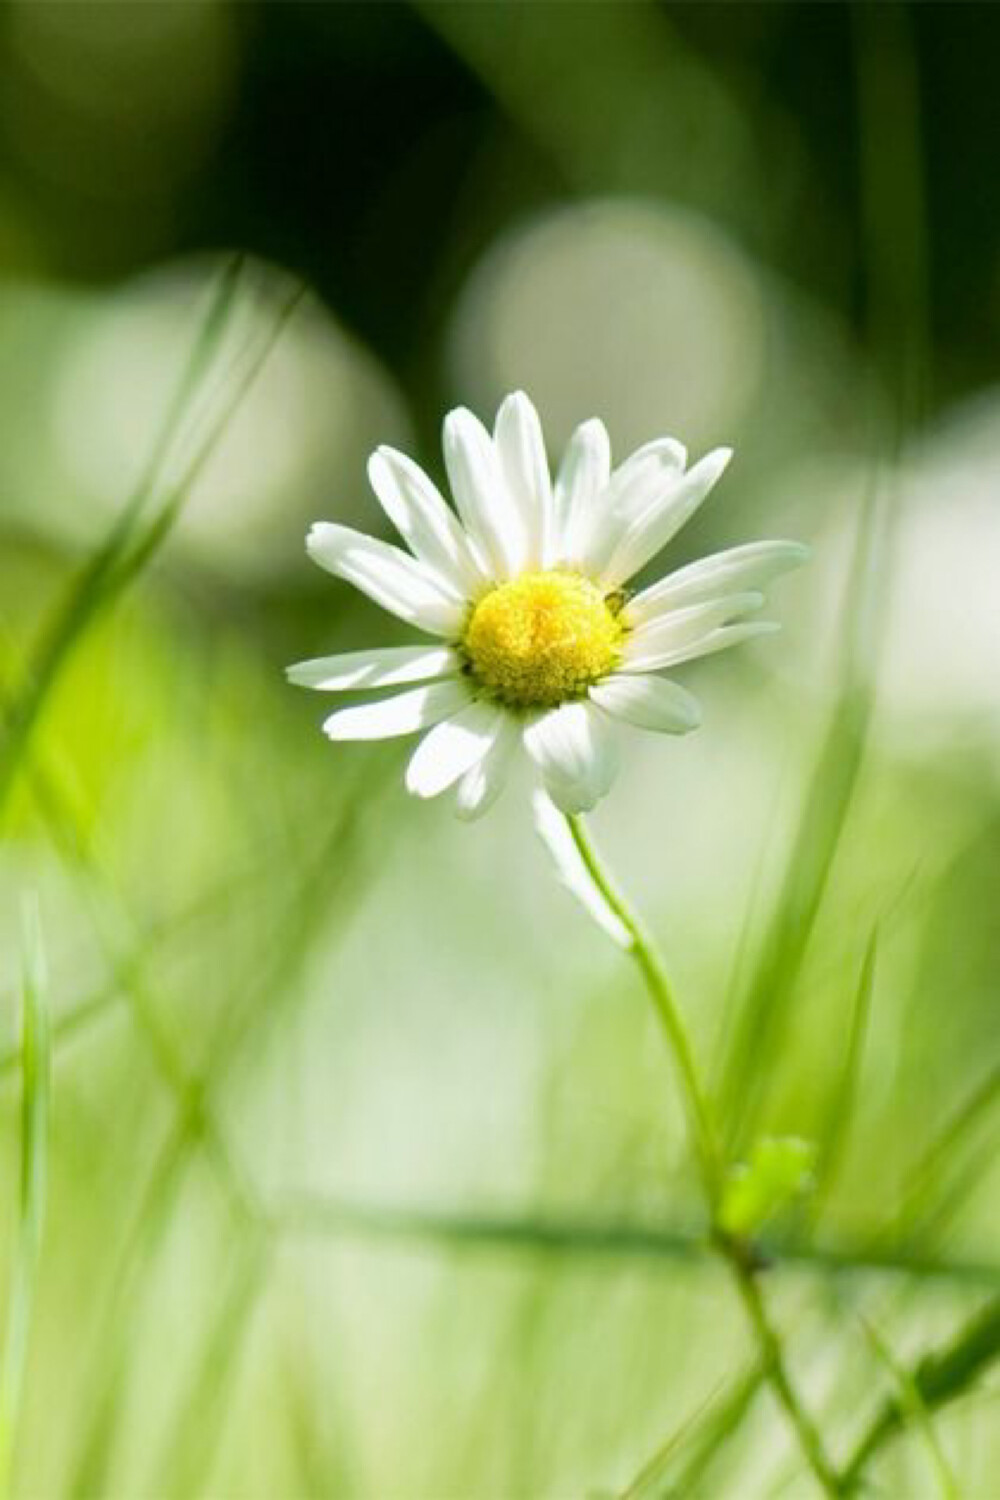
{"points": [[358, 1168]]}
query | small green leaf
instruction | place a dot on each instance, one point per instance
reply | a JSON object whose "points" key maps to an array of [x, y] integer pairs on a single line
{"points": [[779, 1170]]}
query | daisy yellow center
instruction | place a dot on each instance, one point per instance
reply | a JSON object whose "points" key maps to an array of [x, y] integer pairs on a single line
{"points": [[542, 638]]}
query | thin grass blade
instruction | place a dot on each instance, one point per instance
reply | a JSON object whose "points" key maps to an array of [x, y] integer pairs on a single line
{"points": [[35, 1054], [911, 1401], [833, 1139], [94, 586], [762, 1013]]}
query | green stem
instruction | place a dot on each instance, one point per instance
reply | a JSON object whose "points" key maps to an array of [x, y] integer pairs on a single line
{"points": [[646, 954], [643, 949], [773, 1363]]}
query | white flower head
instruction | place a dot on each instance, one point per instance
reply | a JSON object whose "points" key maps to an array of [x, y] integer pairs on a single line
{"points": [[538, 642]]}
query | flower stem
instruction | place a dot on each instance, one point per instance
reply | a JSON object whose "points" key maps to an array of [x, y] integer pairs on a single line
{"points": [[773, 1362], [647, 957]]}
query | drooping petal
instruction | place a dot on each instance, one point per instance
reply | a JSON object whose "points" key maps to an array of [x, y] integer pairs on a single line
{"points": [[451, 748], [391, 577], [583, 477], [424, 520], [554, 832], [388, 666], [482, 784], [403, 713], [648, 703], [575, 749], [488, 513], [520, 447], [715, 640], [747, 567], [662, 517], [672, 636]]}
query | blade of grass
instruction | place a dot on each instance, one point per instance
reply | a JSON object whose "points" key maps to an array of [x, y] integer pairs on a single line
{"points": [[332, 887], [87, 1470], [318, 1215], [309, 902], [894, 227], [710, 1424], [929, 1222], [93, 586], [318, 1431], [949, 1146], [108, 915], [34, 1158], [128, 967], [938, 1379], [763, 1011], [77, 1019], [911, 1401], [308, 1215], [722, 1426], [192, 1439], [115, 568], [833, 1139], [144, 548]]}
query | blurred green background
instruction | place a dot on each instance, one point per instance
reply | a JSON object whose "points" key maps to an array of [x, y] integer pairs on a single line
{"points": [[366, 1171]]}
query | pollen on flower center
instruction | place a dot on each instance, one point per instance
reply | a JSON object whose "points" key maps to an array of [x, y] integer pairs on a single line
{"points": [[542, 639]]}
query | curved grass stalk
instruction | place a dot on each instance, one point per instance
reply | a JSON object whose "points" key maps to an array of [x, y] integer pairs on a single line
{"points": [[125, 551], [94, 584]]}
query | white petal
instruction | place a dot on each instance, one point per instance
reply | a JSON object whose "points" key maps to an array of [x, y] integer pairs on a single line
{"points": [[672, 636], [577, 753], [480, 490], [665, 452], [391, 577], [648, 703], [403, 713], [646, 477], [480, 787], [715, 640], [672, 625], [583, 476], [451, 748], [553, 830], [662, 517], [387, 667], [746, 567], [424, 520], [520, 448]]}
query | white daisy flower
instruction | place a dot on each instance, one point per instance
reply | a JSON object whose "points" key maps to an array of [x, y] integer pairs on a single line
{"points": [[539, 644]]}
